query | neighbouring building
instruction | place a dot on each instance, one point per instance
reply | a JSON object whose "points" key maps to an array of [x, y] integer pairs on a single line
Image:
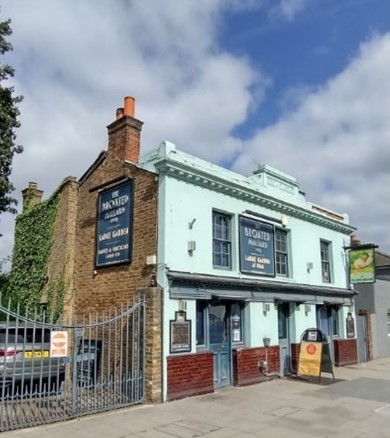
{"points": [[373, 312], [234, 268]]}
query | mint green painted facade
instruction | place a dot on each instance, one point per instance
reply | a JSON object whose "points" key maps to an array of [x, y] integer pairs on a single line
{"points": [[190, 190]]}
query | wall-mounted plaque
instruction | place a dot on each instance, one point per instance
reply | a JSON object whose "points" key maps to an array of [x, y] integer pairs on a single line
{"points": [[180, 333], [350, 322]]}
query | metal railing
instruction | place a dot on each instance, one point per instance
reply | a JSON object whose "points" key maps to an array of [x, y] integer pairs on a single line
{"points": [[56, 371]]}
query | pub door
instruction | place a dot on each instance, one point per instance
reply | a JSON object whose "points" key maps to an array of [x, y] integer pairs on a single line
{"points": [[220, 343]]}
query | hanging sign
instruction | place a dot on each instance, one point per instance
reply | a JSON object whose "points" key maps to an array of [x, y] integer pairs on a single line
{"points": [[362, 265]]}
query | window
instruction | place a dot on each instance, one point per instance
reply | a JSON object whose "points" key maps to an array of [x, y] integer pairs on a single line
{"points": [[335, 322], [236, 311], [200, 323], [221, 241], [281, 253], [325, 261]]}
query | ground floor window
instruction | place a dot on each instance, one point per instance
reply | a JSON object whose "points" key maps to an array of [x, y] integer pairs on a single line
{"points": [[219, 322]]}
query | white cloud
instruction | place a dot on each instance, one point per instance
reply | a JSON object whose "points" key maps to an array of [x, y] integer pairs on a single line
{"points": [[336, 142], [290, 8], [75, 61]]}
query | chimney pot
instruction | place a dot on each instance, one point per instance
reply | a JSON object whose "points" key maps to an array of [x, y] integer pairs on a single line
{"points": [[31, 195], [129, 106], [119, 113]]}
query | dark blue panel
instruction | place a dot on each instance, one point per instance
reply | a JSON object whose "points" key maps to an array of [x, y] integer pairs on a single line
{"points": [[257, 247], [114, 230]]}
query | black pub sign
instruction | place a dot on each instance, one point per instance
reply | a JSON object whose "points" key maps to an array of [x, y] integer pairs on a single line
{"points": [[114, 225], [257, 247]]}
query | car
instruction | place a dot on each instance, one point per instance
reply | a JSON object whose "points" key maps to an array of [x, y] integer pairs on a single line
{"points": [[26, 367]]}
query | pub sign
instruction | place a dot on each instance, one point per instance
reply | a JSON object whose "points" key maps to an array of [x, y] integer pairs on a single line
{"points": [[362, 265], [114, 225], [257, 247]]}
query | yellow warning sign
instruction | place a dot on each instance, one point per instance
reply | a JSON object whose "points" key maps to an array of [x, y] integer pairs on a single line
{"points": [[310, 359]]}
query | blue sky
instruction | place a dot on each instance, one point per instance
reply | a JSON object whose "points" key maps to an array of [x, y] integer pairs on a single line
{"points": [[301, 85]]}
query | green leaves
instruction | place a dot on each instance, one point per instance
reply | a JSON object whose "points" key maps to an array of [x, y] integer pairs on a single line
{"points": [[9, 122], [33, 241]]}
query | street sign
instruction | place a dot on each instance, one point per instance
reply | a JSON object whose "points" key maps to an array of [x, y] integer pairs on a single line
{"points": [[58, 344]]}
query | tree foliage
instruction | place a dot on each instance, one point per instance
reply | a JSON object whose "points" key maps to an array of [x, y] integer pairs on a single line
{"points": [[9, 113]]}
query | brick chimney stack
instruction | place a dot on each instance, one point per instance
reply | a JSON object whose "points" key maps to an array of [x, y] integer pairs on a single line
{"points": [[124, 134], [31, 195]]}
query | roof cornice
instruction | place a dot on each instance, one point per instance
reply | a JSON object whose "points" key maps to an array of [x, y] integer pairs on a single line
{"points": [[236, 188]]}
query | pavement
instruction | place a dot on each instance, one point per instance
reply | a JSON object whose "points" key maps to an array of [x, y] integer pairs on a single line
{"points": [[355, 405]]}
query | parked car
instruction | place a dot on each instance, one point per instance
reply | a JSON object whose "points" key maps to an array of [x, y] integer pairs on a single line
{"points": [[26, 367]]}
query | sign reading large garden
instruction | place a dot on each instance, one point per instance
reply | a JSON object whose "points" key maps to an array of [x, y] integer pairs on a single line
{"points": [[113, 239], [257, 247]]}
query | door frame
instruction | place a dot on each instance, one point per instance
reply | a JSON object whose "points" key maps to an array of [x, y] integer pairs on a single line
{"points": [[284, 310]]}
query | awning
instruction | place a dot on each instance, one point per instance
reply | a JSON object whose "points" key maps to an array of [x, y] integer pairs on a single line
{"points": [[191, 286]]}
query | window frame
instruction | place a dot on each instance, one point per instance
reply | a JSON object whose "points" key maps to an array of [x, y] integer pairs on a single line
{"points": [[222, 241], [326, 262], [284, 253]]}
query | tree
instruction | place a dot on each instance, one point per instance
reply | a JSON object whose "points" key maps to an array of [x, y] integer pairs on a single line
{"points": [[9, 113]]}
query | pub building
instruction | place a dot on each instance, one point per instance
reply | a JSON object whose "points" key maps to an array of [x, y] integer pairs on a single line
{"points": [[234, 268]]}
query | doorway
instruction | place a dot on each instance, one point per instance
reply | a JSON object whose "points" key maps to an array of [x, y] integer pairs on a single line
{"points": [[220, 343], [284, 338], [327, 323]]}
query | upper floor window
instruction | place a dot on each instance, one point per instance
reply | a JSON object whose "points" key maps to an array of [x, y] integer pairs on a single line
{"points": [[325, 261], [281, 252], [222, 245]]}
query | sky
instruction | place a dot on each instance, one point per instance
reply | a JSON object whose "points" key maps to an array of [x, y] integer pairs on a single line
{"points": [[300, 85]]}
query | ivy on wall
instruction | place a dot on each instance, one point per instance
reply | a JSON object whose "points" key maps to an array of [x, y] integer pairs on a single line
{"points": [[33, 241]]}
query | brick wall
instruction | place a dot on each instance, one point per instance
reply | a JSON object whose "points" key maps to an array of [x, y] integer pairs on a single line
{"points": [[245, 364], [190, 374], [295, 350], [111, 286], [345, 352]]}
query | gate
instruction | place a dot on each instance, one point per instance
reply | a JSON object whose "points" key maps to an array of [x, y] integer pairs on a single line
{"points": [[52, 372], [361, 328]]}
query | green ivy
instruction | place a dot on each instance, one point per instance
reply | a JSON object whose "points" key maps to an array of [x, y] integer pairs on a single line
{"points": [[55, 299], [33, 241]]}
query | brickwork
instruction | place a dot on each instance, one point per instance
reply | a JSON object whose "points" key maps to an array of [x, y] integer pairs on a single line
{"points": [[295, 350], [345, 352], [190, 374], [110, 286], [153, 352], [246, 364], [96, 290]]}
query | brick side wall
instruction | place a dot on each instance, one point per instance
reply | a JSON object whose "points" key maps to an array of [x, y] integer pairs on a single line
{"points": [[190, 374], [246, 364], [97, 290], [109, 287], [345, 352]]}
